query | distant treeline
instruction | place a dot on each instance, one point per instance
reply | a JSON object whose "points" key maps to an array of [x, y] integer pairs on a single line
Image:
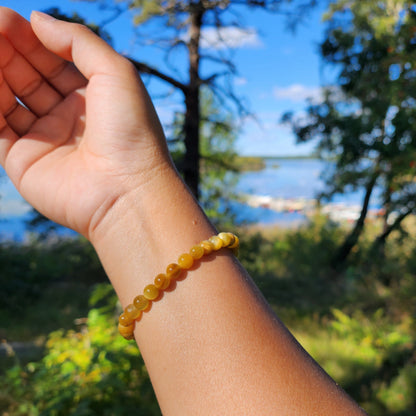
{"points": [[294, 157], [249, 163], [257, 163]]}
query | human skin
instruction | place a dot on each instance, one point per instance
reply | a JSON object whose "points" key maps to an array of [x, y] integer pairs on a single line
{"points": [[87, 151]]}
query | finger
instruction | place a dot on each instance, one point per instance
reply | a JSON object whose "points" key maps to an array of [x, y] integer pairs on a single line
{"points": [[25, 82], [7, 98], [76, 43], [7, 139], [57, 133], [62, 75], [94, 57], [19, 118]]}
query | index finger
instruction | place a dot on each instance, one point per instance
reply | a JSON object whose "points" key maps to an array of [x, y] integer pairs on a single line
{"points": [[61, 74]]}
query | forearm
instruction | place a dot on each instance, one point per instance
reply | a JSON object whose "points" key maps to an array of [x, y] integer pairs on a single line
{"points": [[212, 345]]}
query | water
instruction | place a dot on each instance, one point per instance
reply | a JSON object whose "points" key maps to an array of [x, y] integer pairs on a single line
{"points": [[281, 178], [14, 228], [286, 178], [291, 179], [15, 213]]}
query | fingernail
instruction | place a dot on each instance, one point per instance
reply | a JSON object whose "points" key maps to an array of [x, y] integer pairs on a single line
{"points": [[42, 16]]}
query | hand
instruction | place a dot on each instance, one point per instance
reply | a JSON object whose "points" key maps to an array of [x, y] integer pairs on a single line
{"points": [[87, 133]]}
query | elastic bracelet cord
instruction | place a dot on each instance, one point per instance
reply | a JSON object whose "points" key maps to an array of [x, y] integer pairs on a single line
{"points": [[141, 303]]}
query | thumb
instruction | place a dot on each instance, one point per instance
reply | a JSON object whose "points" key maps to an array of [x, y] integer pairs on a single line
{"points": [[76, 43]]}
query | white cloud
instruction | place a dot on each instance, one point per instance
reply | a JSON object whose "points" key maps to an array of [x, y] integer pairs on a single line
{"points": [[298, 93], [11, 203], [240, 81], [230, 37], [267, 136], [13, 207], [274, 142], [287, 50]]}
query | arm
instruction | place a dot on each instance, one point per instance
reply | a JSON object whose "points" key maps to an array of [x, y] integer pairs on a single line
{"points": [[88, 152]]}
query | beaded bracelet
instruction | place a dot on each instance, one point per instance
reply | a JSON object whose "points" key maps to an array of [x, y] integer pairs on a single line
{"points": [[142, 303]]}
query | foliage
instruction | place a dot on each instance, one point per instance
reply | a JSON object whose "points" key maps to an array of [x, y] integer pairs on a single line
{"points": [[292, 267], [249, 163], [28, 269], [367, 122], [371, 356], [359, 324], [90, 371]]}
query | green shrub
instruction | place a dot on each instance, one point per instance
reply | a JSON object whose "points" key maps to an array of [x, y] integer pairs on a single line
{"points": [[90, 371], [45, 285], [370, 355], [26, 269]]}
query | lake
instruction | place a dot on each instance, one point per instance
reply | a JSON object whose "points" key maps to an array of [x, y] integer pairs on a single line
{"points": [[282, 179], [293, 182]]}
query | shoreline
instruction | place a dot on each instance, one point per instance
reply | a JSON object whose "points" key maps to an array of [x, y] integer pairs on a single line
{"points": [[336, 211]]}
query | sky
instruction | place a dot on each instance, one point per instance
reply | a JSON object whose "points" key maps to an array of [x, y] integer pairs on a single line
{"points": [[277, 69]]}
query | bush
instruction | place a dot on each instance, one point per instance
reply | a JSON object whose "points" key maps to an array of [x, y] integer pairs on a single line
{"points": [[358, 323], [45, 286], [90, 371], [27, 269]]}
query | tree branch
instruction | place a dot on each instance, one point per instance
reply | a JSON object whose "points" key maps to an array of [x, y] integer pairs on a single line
{"points": [[383, 236], [146, 69], [338, 261]]}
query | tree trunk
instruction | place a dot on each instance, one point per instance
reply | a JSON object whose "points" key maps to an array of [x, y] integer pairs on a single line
{"points": [[380, 240], [192, 112], [351, 240]]}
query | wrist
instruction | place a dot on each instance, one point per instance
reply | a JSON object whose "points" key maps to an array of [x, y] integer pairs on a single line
{"points": [[147, 228]]}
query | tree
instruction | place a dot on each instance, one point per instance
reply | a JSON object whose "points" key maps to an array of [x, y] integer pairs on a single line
{"points": [[366, 124], [219, 161], [182, 28]]}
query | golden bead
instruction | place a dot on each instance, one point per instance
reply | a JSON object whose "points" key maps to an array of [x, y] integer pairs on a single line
{"points": [[132, 312], [141, 303], [227, 239], [185, 261], [173, 271], [126, 331], [216, 242], [197, 252], [162, 282], [207, 246], [151, 292], [236, 243], [124, 320]]}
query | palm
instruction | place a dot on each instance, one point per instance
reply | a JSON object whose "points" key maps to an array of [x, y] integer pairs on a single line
{"points": [[53, 164], [70, 148]]}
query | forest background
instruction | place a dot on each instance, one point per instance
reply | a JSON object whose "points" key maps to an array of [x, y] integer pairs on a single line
{"points": [[347, 291]]}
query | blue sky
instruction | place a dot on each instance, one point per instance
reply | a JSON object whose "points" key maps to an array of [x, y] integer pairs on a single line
{"points": [[277, 69]]}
